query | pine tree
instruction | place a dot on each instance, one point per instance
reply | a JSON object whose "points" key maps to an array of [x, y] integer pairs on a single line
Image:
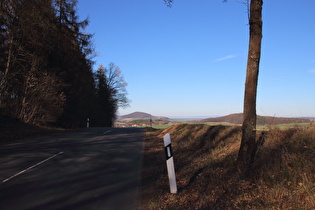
{"points": [[28, 90], [102, 114], [72, 60], [46, 67]]}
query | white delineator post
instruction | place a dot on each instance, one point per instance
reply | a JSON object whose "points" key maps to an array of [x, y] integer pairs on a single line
{"points": [[170, 163]]}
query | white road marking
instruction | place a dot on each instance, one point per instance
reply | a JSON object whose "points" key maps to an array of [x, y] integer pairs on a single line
{"points": [[29, 168], [107, 132]]}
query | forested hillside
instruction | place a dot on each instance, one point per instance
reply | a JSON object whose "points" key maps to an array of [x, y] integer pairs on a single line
{"points": [[46, 75]]}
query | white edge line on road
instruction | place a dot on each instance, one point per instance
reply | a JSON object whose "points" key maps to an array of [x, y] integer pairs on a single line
{"points": [[107, 132], [33, 166]]}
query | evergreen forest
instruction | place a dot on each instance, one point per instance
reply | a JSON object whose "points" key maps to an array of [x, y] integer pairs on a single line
{"points": [[46, 67]]}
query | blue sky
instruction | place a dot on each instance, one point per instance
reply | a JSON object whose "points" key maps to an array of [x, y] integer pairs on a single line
{"points": [[190, 60]]}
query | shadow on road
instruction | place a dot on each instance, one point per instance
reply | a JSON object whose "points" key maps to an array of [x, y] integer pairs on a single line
{"points": [[95, 171]]}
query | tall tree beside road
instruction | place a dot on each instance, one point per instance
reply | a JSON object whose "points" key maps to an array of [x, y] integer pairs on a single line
{"points": [[111, 94], [72, 60], [248, 147], [46, 68], [29, 90], [117, 86], [102, 117]]}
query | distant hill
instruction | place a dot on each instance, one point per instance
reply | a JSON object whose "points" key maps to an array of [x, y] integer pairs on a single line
{"points": [[141, 115], [137, 115], [261, 120]]}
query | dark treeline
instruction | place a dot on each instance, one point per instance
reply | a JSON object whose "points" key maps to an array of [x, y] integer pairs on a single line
{"points": [[46, 75]]}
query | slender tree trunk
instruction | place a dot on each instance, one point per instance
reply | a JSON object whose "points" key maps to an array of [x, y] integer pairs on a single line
{"points": [[7, 66], [248, 147], [3, 80]]}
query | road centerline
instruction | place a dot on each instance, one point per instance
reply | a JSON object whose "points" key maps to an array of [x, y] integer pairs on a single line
{"points": [[106, 132], [100, 169], [31, 167]]}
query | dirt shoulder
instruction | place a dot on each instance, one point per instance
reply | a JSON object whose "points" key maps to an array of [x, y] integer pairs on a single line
{"points": [[13, 130]]}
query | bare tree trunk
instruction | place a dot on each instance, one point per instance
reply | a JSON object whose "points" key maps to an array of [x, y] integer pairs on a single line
{"points": [[248, 147], [3, 80], [7, 66]]}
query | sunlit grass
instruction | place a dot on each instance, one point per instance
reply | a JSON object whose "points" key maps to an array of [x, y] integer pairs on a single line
{"points": [[161, 126], [283, 174], [283, 126]]}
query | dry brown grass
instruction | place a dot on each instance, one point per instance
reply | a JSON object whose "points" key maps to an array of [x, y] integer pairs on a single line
{"points": [[204, 156]]}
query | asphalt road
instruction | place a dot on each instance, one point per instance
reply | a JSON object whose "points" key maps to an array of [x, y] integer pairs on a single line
{"points": [[96, 168]]}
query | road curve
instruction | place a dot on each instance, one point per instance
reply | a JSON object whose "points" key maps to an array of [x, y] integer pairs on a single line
{"points": [[95, 168]]}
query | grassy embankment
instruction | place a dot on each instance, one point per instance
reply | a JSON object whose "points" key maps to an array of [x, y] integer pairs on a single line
{"points": [[13, 129], [283, 175]]}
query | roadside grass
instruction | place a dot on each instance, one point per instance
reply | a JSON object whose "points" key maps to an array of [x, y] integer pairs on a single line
{"points": [[259, 127], [283, 126], [283, 175], [181, 121], [220, 123], [161, 126]]}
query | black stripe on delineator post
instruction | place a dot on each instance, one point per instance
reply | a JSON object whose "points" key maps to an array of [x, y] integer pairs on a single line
{"points": [[168, 151]]}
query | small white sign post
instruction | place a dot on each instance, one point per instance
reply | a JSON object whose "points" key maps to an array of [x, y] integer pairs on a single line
{"points": [[88, 122], [170, 163]]}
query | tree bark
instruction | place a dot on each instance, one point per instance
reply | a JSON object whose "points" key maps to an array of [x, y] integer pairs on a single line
{"points": [[248, 146]]}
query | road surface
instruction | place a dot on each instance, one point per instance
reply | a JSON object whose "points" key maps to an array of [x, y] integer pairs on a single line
{"points": [[95, 168]]}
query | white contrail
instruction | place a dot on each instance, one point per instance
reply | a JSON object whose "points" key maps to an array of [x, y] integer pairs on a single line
{"points": [[311, 71], [225, 58]]}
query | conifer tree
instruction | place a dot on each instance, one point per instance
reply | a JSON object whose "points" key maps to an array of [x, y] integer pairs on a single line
{"points": [[46, 67]]}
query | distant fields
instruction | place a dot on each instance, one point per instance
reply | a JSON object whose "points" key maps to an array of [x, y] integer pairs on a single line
{"points": [[259, 127], [263, 122]]}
